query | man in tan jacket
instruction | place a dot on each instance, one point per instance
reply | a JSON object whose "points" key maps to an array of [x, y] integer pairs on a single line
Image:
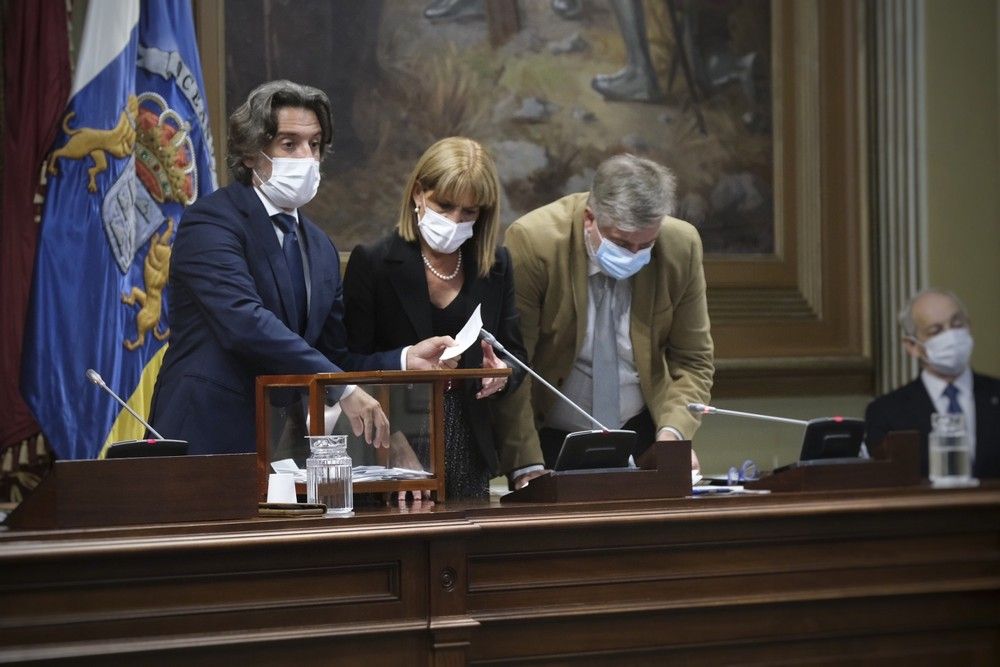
{"points": [[607, 285]]}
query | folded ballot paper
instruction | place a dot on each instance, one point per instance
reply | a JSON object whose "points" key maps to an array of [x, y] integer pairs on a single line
{"points": [[358, 473], [467, 336]]}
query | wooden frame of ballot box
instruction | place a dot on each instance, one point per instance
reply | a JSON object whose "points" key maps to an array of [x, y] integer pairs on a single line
{"points": [[316, 384]]}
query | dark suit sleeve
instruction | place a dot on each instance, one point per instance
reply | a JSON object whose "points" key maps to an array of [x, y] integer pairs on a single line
{"points": [[359, 302], [509, 333], [876, 424], [210, 261], [352, 347]]}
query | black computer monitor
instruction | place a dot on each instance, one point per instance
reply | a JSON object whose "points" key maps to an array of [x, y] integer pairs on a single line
{"points": [[128, 449], [593, 450], [832, 438]]}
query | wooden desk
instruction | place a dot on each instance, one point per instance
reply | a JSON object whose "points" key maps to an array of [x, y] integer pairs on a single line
{"points": [[875, 577]]}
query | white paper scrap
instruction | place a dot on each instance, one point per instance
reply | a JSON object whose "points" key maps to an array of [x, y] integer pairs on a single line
{"points": [[467, 336], [289, 467]]}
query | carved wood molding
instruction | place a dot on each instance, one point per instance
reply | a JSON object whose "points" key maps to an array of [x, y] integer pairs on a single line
{"points": [[798, 320]]}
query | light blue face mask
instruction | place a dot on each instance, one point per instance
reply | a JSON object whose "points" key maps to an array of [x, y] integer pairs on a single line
{"points": [[618, 262]]}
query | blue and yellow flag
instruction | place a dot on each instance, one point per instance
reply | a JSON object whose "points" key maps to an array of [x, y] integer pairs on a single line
{"points": [[134, 150]]}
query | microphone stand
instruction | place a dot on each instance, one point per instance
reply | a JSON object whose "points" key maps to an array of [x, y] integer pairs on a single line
{"points": [[142, 446], [96, 378], [491, 339], [702, 409]]}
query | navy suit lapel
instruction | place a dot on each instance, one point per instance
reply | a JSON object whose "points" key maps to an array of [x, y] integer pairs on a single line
{"points": [[406, 274], [921, 406], [324, 279], [261, 229], [987, 395]]}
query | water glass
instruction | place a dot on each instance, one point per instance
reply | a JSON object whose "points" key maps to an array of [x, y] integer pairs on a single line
{"points": [[328, 474], [949, 452]]}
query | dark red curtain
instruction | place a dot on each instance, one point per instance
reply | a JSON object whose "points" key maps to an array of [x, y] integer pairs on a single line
{"points": [[36, 88]]}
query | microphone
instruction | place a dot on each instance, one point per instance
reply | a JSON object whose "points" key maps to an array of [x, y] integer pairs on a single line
{"points": [[491, 339], [826, 439], [129, 447], [702, 409], [96, 378]]}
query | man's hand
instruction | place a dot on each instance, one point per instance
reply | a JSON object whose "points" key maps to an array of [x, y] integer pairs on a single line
{"points": [[426, 355], [522, 481], [366, 417], [666, 435], [490, 360]]}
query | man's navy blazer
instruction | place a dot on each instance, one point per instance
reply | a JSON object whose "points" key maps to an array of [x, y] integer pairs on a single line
{"points": [[909, 408], [232, 318]]}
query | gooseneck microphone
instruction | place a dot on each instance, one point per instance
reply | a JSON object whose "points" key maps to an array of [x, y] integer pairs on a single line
{"points": [[491, 339], [702, 409], [96, 378], [143, 447], [826, 439]]}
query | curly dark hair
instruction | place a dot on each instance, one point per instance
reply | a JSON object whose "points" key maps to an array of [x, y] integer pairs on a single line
{"points": [[255, 122]]}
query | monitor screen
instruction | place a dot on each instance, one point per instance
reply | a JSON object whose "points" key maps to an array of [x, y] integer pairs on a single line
{"points": [[590, 450]]}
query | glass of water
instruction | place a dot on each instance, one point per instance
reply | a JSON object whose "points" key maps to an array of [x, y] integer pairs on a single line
{"points": [[949, 451], [328, 474]]}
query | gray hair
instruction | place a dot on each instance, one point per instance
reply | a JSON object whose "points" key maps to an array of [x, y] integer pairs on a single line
{"points": [[254, 124], [632, 193], [905, 316]]}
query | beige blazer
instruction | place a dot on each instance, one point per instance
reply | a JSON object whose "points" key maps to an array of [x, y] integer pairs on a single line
{"points": [[669, 323]]}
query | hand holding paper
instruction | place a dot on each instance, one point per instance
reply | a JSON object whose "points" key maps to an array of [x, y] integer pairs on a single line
{"points": [[426, 355]]}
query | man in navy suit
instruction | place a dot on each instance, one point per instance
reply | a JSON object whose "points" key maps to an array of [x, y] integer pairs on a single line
{"points": [[255, 286], [936, 332]]}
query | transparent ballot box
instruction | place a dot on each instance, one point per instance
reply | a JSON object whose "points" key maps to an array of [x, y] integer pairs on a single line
{"points": [[291, 407]]}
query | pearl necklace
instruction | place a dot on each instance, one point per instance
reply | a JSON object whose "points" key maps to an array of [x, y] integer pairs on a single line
{"points": [[451, 276]]}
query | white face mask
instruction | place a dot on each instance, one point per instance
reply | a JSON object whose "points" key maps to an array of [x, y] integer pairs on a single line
{"points": [[948, 352], [615, 261], [293, 183], [441, 234]]}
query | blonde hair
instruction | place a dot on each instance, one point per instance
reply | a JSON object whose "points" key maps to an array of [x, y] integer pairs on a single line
{"points": [[457, 168]]}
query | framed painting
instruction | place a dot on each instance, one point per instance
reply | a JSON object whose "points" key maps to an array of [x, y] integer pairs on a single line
{"points": [[756, 106]]}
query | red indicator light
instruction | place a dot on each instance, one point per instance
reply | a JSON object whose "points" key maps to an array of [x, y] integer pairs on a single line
{"points": [[838, 419]]}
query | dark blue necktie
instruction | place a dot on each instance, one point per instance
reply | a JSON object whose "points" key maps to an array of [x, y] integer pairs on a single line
{"points": [[293, 257], [951, 392]]}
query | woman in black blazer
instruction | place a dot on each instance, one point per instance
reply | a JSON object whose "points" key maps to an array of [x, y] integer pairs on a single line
{"points": [[427, 277]]}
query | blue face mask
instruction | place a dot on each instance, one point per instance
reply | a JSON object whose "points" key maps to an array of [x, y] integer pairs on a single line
{"points": [[617, 262]]}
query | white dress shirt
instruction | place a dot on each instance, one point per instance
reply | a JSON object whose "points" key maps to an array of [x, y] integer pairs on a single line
{"points": [[579, 384]]}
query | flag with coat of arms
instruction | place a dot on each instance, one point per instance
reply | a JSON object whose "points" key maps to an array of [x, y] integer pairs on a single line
{"points": [[134, 149]]}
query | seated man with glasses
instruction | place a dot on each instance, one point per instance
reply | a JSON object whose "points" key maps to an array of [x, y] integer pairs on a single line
{"points": [[936, 332], [611, 294]]}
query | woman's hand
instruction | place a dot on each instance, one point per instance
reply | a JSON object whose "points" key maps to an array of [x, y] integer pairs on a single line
{"points": [[490, 360]]}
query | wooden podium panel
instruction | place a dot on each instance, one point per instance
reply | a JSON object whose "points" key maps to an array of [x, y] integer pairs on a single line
{"points": [[896, 463], [879, 577], [115, 492]]}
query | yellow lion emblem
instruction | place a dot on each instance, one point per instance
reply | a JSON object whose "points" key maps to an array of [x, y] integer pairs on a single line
{"points": [[155, 272], [119, 141]]}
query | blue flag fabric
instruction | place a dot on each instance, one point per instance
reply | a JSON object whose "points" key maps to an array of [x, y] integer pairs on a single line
{"points": [[134, 150]]}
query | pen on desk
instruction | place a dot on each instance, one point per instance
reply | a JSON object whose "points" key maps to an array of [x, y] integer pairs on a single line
{"points": [[710, 490]]}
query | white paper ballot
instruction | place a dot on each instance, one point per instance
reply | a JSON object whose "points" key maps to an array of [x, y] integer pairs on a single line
{"points": [[289, 467], [467, 336]]}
